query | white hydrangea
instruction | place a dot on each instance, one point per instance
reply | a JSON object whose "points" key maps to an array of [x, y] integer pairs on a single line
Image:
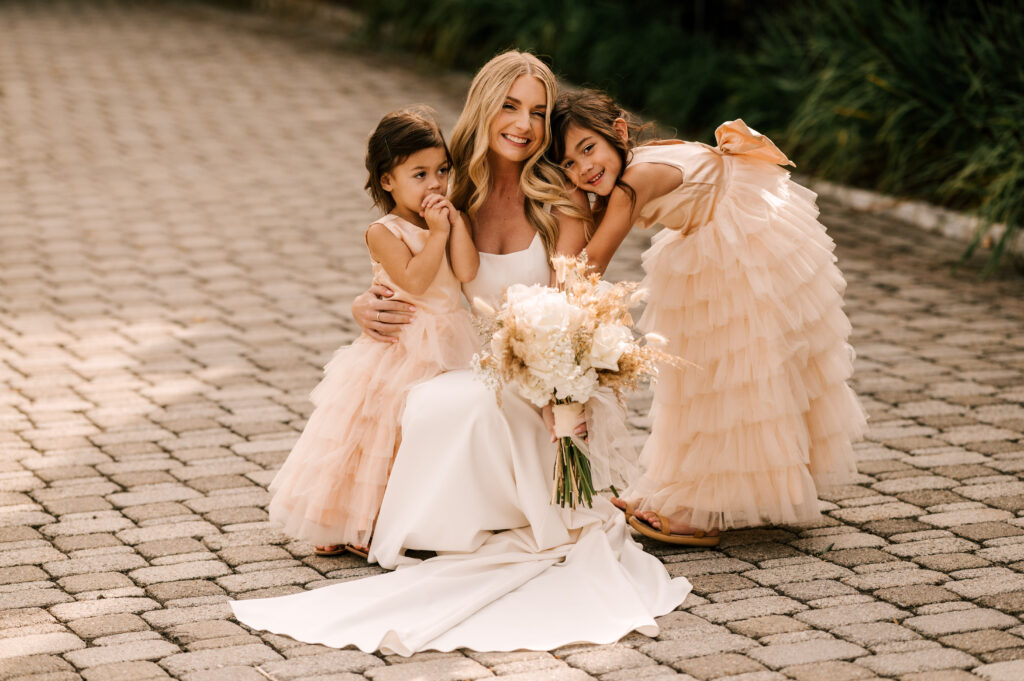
{"points": [[547, 322]]}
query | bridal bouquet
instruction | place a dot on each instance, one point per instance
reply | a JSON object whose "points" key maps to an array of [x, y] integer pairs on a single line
{"points": [[559, 346]]}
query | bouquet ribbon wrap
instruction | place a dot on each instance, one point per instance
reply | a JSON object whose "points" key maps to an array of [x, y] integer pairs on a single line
{"points": [[567, 415]]}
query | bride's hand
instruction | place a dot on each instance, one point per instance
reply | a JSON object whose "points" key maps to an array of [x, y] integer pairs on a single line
{"points": [[548, 415], [380, 317]]}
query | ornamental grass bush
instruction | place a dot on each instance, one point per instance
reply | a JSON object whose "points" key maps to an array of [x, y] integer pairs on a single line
{"points": [[922, 99], [916, 98]]}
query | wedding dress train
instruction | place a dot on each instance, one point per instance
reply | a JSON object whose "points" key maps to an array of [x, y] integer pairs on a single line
{"points": [[472, 481]]}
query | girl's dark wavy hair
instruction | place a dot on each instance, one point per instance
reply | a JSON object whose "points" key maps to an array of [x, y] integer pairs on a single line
{"points": [[596, 111], [399, 135]]}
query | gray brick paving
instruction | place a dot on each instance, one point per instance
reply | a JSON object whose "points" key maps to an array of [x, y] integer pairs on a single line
{"points": [[180, 235]]}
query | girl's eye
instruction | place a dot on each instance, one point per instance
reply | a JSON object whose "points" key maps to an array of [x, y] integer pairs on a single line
{"points": [[567, 165], [586, 149], [420, 175], [444, 170]]}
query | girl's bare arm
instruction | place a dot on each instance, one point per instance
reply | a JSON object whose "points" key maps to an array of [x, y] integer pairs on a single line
{"points": [[572, 232], [414, 273], [649, 180], [462, 251]]}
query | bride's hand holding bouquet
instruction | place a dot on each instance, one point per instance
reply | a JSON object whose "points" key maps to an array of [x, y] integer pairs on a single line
{"points": [[558, 347]]}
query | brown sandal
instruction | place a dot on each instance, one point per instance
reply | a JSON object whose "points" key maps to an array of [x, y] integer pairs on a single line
{"points": [[329, 550], [358, 551], [698, 538]]}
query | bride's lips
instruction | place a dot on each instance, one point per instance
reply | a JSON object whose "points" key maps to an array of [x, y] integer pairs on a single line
{"points": [[516, 140]]}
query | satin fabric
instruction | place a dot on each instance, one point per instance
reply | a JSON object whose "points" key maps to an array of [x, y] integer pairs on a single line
{"points": [[472, 481]]}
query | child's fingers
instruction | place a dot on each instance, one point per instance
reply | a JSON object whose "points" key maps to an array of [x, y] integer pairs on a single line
{"points": [[431, 200], [425, 206], [438, 213]]}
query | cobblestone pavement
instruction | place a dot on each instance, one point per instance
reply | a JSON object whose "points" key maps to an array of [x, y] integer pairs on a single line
{"points": [[180, 235]]}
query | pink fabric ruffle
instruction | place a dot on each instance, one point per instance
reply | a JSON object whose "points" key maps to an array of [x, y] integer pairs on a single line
{"points": [[330, 488], [754, 298]]}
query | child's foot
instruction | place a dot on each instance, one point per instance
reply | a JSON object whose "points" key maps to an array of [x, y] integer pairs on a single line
{"points": [[623, 505], [329, 550], [361, 551], [653, 519], [656, 526]]}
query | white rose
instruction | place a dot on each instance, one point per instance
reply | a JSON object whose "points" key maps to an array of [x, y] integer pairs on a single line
{"points": [[550, 314], [517, 293], [608, 344]]}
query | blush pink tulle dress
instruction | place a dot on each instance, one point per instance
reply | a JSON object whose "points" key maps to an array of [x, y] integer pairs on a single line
{"points": [[329, 489], [743, 283]]}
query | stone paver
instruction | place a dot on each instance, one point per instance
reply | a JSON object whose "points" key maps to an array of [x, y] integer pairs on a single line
{"points": [[181, 216]]}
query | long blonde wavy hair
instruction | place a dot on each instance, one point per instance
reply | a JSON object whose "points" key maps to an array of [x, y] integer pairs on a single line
{"points": [[540, 181]]}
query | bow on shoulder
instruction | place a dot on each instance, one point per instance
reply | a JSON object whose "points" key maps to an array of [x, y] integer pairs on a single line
{"points": [[738, 139]]}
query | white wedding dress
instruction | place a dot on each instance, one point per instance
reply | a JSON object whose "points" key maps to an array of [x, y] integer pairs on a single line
{"points": [[472, 481]]}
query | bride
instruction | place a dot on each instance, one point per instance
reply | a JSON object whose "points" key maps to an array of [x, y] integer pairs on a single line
{"points": [[472, 480]]}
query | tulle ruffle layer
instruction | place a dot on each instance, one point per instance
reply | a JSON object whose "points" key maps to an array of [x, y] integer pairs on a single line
{"points": [[330, 487], [754, 298]]}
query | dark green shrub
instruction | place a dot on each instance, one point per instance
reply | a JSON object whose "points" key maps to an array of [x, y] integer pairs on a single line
{"points": [[910, 97], [666, 59]]}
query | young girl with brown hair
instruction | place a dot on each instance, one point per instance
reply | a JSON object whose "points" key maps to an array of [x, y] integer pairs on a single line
{"points": [[743, 283], [330, 488]]}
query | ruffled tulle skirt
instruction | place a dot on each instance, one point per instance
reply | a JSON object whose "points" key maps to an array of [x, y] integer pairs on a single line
{"points": [[754, 299], [330, 487]]}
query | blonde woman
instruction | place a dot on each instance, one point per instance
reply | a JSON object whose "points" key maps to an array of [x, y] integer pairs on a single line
{"points": [[472, 479]]}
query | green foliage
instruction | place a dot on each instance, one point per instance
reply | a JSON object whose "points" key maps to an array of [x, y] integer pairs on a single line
{"points": [[921, 98], [664, 58], [910, 97]]}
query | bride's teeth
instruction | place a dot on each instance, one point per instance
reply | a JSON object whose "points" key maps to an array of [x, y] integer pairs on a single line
{"points": [[517, 140]]}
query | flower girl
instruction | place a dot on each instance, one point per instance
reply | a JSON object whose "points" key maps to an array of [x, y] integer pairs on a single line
{"points": [[743, 282], [329, 490]]}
